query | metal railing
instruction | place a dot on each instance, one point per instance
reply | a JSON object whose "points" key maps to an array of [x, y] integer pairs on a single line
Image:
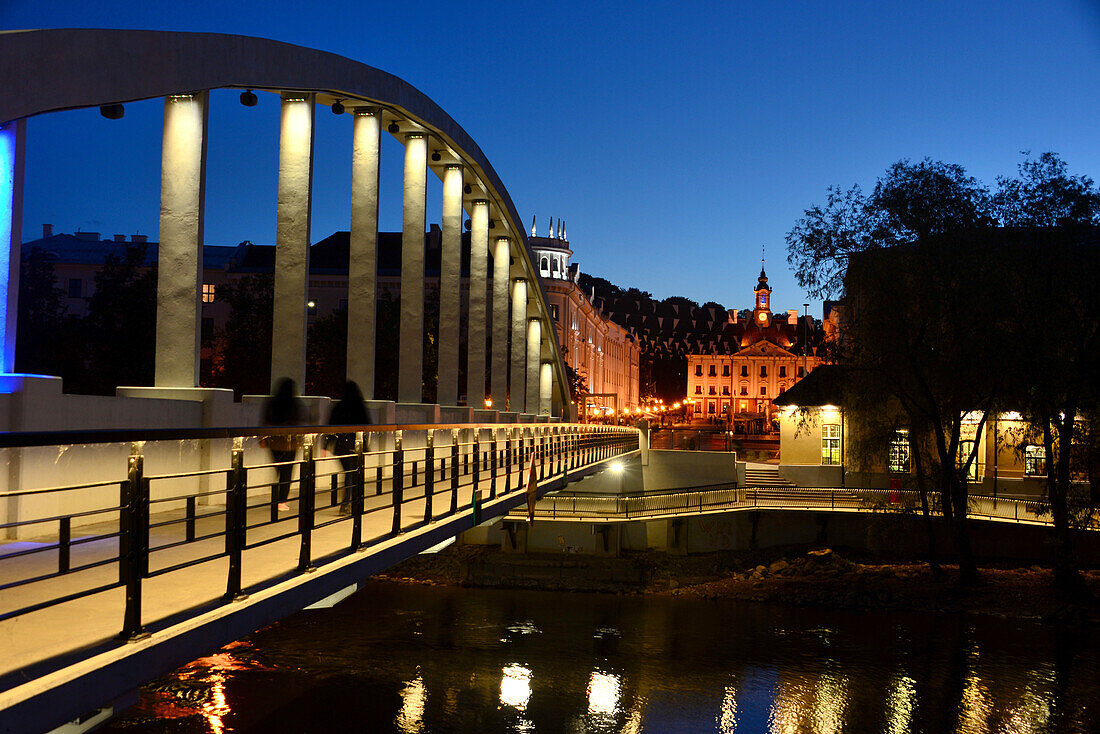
{"points": [[729, 497], [152, 523]]}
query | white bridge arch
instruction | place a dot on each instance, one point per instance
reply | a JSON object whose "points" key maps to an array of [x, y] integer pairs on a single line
{"points": [[52, 70]]}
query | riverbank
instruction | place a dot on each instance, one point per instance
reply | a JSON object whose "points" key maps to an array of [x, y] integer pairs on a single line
{"points": [[819, 577]]}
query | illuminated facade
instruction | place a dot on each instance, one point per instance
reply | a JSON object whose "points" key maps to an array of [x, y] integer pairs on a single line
{"points": [[761, 354], [605, 354]]}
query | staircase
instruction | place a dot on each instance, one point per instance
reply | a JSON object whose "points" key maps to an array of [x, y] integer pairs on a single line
{"points": [[765, 475]]}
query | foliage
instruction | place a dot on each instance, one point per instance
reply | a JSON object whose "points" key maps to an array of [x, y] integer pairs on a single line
{"points": [[45, 336], [242, 348]]}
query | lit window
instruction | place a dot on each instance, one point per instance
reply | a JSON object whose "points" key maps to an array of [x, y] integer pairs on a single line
{"points": [[830, 444], [698, 389], [965, 449], [710, 408], [207, 292], [1035, 460], [554, 311], [899, 451]]}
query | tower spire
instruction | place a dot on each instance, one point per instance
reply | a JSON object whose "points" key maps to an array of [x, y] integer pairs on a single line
{"points": [[533, 217]]}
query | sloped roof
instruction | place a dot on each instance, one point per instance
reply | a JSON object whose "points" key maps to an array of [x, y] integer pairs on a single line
{"points": [[823, 386]]}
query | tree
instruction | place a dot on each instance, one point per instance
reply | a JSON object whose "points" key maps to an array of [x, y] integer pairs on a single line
{"points": [[918, 307], [327, 354], [45, 338], [242, 348]]}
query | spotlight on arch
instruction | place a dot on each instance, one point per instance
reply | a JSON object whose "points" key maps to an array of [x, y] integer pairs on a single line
{"points": [[337, 107], [112, 111], [248, 98], [393, 127], [436, 156]]}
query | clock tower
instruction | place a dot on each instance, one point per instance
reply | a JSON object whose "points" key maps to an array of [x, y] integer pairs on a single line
{"points": [[762, 302]]}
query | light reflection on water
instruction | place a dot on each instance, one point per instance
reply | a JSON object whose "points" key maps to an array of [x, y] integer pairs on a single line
{"points": [[440, 660]]}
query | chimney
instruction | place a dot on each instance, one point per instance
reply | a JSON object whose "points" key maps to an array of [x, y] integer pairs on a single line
{"points": [[139, 238], [47, 231], [792, 316], [120, 238]]}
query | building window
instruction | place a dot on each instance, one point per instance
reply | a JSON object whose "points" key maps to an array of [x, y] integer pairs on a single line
{"points": [[744, 370], [698, 370], [830, 444], [744, 389], [1035, 460], [899, 451], [554, 311], [710, 408], [725, 390], [712, 391], [698, 389], [763, 390], [801, 372], [782, 371], [965, 449], [713, 372], [207, 292], [76, 287], [725, 370], [763, 370], [544, 266]]}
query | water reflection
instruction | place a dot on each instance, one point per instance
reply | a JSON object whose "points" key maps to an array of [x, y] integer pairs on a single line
{"points": [[525, 662], [410, 719], [515, 687]]}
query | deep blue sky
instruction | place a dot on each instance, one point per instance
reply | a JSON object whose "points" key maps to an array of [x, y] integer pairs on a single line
{"points": [[676, 139]]}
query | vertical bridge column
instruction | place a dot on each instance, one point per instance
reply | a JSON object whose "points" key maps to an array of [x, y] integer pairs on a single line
{"points": [[363, 248], [410, 369], [288, 327], [450, 286], [179, 273], [546, 385], [502, 260], [479, 282], [534, 363], [13, 136], [519, 345]]}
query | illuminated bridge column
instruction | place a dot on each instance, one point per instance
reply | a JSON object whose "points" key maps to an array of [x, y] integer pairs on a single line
{"points": [[363, 248], [546, 385], [179, 275], [502, 258], [476, 328], [519, 345], [450, 287], [13, 137], [410, 369], [534, 364], [288, 327]]}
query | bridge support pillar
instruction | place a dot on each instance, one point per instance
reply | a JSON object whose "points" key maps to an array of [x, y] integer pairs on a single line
{"points": [[179, 275], [363, 247], [450, 280], [410, 371], [546, 385], [534, 364], [502, 256], [519, 346], [288, 327], [13, 137], [478, 316]]}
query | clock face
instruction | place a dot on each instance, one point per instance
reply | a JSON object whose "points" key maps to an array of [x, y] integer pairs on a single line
{"points": [[762, 317]]}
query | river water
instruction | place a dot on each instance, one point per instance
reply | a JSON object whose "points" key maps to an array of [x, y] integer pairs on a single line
{"points": [[424, 660]]}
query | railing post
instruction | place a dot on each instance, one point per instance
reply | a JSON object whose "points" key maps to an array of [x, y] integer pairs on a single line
{"points": [[506, 460], [134, 542], [454, 470], [358, 487], [236, 506], [379, 463], [493, 466], [307, 498], [190, 519], [398, 481], [429, 474], [64, 538], [476, 492]]}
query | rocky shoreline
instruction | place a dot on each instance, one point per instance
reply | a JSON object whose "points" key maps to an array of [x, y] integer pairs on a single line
{"points": [[796, 576]]}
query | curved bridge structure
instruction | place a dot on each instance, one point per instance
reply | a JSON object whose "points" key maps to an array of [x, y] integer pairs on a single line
{"points": [[51, 70]]}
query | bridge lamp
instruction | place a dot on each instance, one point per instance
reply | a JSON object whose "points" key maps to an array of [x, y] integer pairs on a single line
{"points": [[337, 107], [248, 98], [488, 403], [436, 156], [112, 111], [393, 127]]}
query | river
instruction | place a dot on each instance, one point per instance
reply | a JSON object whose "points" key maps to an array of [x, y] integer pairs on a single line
{"points": [[426, 660]]}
